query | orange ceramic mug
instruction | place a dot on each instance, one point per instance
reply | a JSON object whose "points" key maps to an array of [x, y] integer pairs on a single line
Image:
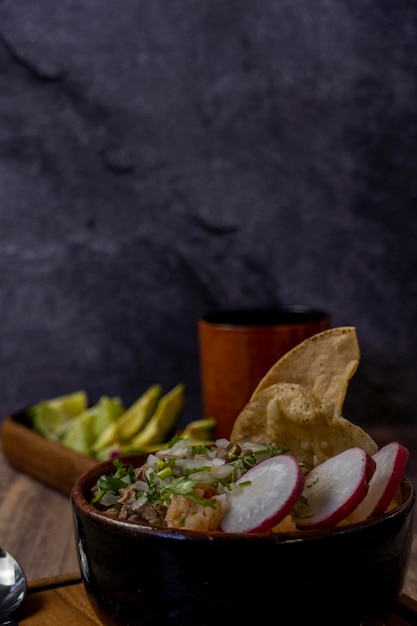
{"points": [[238, 347]]}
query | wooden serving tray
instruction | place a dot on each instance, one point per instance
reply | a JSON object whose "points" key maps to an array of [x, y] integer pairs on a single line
{"points": [[45, 460], [62, 600]]}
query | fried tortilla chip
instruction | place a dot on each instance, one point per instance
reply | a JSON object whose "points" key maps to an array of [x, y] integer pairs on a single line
{"points": [[291, 417], [323, 363]]}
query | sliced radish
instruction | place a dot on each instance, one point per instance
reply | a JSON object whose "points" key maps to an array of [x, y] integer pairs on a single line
{"points": [[335, 488], [391, 461], [264, 495]]}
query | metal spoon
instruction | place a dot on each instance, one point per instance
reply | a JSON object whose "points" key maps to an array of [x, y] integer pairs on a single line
{"points": [[13, 587]]}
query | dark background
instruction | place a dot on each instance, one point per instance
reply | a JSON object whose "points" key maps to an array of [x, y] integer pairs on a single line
{"points": [[161, 158]]}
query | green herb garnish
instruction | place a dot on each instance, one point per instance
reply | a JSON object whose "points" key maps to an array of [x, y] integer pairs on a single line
{"points": [[122, 478]]}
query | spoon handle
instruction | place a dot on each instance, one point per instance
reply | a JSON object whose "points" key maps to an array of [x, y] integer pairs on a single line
{"points": [[8, 622]]}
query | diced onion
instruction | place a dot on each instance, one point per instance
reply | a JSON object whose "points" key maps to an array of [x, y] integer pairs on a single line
{"points": [[109, 499], [222, 443]]}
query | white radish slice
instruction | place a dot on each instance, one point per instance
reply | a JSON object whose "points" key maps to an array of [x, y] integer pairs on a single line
{"points": [[391, 461], [334, 488], [264, 495]]}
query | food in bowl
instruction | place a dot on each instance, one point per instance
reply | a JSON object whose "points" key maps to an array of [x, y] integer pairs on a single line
{"points": [[315, 528], [250, 488], [145, 575], [307, 462]]}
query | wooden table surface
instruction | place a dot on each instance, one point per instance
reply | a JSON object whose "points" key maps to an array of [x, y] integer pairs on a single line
{"points": [[36, 521]]}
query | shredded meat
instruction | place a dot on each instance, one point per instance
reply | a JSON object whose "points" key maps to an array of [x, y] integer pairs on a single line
{"points": [[153, 514], [230, 452]]}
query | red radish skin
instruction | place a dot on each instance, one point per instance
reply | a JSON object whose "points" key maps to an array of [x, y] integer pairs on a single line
{"points": [[391, 461], [335, 488], [273, 487]]}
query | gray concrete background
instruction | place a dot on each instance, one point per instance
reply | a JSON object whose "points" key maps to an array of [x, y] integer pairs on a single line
{"points": [[161, 158]]}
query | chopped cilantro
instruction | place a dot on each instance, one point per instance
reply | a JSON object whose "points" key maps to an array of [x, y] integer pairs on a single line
{"points": [[174, 440], [243, 463], [123, 477]]}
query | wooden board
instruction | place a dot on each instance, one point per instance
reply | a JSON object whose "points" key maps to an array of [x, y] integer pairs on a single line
{"points": [[61, 600], [45, 460]]}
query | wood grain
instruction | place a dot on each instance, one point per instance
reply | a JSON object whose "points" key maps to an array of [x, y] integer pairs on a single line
{"points": [[45, 460], [36, 524], [56, 602]]}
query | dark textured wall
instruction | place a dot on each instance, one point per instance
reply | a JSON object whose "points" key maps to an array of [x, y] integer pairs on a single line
{"points": [[160, 158]]}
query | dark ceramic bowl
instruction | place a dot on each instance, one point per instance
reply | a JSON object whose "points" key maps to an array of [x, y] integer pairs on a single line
{"points": [[141, 576]]}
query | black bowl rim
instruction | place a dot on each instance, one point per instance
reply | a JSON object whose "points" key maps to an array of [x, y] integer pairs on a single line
{"points": [[86, 481]]}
